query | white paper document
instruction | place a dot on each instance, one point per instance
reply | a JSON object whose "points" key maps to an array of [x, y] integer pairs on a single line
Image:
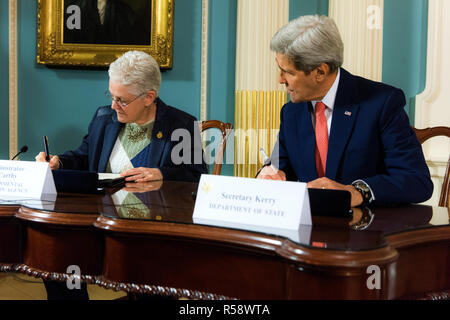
{"points": [[106, 176]]}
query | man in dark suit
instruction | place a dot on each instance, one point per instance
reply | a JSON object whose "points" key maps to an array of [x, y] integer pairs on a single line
{"points": [[340, 131]]}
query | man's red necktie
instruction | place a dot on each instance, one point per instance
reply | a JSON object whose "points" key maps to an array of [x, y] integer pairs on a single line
{"points": [[321, 139]]}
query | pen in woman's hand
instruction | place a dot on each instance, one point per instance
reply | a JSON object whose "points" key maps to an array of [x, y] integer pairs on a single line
{"points": [[47, 153]]}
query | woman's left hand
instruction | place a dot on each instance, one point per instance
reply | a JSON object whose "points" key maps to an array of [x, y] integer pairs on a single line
{"points": [[136, 187], [142, 174]]}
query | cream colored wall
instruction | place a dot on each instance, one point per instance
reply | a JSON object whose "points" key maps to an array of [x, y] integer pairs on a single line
{"points": [[258, 20], [259, 97], [360, 23]]}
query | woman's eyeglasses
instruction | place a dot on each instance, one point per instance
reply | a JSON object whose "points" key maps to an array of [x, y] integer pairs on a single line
{"points": [[121, 103]]}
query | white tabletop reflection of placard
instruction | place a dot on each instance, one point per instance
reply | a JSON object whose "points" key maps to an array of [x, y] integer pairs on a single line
{"points": [[26, 180], [275, 207]]}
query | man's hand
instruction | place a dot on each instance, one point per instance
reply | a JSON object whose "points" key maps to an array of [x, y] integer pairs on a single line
{"points": [[325, 183], [54, 160], [142, 174], [270, 174]]}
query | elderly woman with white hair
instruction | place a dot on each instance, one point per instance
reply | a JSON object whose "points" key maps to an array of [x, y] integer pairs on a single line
{"points": [[133, 136]]}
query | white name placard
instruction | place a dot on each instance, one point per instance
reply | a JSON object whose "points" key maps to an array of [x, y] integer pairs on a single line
{"points": [[278, 207], [26, 180]]}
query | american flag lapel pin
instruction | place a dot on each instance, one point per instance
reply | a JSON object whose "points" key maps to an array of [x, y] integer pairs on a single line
{"points": [[348, 113]]}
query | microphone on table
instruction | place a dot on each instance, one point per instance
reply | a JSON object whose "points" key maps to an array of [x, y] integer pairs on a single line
{"points": [[22, 150]]}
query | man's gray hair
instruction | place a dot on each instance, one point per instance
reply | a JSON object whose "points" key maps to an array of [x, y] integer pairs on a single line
{"points": [[309, 41], [138, 70]]}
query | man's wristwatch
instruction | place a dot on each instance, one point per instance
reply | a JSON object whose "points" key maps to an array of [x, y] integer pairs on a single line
{"points": [[364, 190]]}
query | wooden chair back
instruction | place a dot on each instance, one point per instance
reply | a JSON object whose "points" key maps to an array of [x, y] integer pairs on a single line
{"points": [[225, 129], [425, 134]]}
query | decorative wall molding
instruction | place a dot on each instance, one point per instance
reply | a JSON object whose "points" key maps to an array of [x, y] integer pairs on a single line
{"points": [[204, 63], [432, 105], [13, 105], [360, 23]]}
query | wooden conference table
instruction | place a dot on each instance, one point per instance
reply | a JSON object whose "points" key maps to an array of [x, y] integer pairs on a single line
{"points": [[150, 244]]}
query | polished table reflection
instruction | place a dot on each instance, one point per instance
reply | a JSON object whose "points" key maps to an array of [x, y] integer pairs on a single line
{"points": [[144, 240]]}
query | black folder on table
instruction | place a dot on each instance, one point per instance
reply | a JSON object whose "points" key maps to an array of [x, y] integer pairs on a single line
{"points": [[86, 182], [330, 203]]}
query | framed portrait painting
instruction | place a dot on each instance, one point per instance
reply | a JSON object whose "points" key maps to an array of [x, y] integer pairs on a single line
{"points": [[94, 33]]}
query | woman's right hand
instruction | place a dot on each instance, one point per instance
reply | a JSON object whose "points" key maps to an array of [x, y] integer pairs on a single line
{"points": [[54, 160]]}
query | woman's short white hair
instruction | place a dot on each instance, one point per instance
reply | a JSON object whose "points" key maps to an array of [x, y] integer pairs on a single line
{"points": [[138, 70], [309, 41]]}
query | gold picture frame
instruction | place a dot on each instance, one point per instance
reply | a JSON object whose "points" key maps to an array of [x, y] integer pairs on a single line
{"points": [[53, 27]]}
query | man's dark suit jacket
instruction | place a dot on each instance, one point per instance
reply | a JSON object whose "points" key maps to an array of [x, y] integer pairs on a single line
{"points": [[94, 152], [370, 139]]}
